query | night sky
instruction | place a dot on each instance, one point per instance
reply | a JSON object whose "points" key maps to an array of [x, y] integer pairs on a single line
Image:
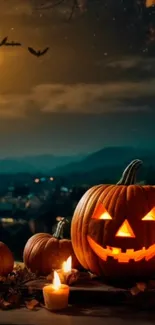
{"points": [[94, 88]]}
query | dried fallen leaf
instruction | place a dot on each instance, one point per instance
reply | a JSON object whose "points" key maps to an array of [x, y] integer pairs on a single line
{"points": [[92, 276], [134, 291], [4, 304], [14, 299], [42, 305], [72, 277], [50, 277], [12, 278], [84, 277], [141, 286], [30, 290], [2, 278], [32, 304]]}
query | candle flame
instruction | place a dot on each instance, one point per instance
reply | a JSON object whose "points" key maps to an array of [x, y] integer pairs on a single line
{"points": [[67, 265], [56, 281]]}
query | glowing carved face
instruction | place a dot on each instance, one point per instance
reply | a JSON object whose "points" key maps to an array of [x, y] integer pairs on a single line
{"points": [[124, 235]]}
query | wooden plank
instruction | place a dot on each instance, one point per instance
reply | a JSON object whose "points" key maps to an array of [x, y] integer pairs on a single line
{"points": [[90, 291], [97, 293]]}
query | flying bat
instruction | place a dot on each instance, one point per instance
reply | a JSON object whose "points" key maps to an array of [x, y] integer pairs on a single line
{"points": [[37, 53], [12, 43], [3, 42]]}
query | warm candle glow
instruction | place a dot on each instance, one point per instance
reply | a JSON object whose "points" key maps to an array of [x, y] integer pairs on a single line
{"points": [[56, 294], [56, 281], [67, 265]]}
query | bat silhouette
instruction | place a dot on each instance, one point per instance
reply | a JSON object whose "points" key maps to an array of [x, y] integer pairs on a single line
{"points": [[3, 42], [12, 43], [37, 53]]}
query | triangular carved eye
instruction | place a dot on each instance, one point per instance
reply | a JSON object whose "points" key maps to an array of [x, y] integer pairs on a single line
{"points": [[125, 230], [150, 216], [101, 213]]}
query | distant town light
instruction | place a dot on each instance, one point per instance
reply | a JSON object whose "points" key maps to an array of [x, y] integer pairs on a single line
{"points": [[59, 218], [37, 180], [7, 220], [51, 179], [64, 189], [43, 179]]}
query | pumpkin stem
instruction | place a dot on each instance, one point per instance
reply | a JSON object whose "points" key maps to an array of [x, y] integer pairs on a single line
{"points": [[59, 229], [129, 174]]}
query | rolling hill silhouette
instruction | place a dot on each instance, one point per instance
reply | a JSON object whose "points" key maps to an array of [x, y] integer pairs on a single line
{"points": [[107, 159], [103, 162], [35, 164]]}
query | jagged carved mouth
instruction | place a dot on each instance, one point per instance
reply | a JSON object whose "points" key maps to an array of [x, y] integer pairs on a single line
{"points": [[117, 254]]}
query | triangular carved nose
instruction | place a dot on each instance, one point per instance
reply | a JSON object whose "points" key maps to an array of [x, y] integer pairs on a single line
{"points": [[125, 230]]}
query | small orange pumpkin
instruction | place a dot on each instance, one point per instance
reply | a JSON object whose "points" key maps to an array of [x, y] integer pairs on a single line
{"points": [[113, 228], [44, 252], [6, 260]]}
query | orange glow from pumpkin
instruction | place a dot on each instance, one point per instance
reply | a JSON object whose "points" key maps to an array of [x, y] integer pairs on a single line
{"points": [[105, 216], [121, 257], [101, 213], [67, 265], [125, 230], [150, 216], [115, 250]]}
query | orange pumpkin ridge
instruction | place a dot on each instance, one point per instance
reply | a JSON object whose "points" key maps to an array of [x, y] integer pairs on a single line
{"points": [[113, 227], [6, 260], [45, 252]]}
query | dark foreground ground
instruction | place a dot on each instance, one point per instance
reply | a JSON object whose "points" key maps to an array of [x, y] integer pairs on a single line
{"points": [[77, 316], [91, 302]]}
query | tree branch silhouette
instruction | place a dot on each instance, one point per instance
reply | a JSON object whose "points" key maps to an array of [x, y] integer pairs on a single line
{"points": [[74, 6], [50, 6], [73, 9], [138, 6]]}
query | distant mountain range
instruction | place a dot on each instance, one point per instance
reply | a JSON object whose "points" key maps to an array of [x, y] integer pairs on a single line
{"points": [[35, 164], [105, 158]]}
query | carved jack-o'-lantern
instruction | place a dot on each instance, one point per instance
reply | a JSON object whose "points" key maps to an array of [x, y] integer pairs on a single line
{"points": [[113, 228]]}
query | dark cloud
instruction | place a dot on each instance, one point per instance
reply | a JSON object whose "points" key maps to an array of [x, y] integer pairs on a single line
{"points": [[80, 98]]}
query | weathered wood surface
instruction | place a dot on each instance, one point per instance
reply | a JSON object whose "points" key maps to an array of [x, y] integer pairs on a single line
{"points": [[96, 293], [102, 315], [91, 291]]}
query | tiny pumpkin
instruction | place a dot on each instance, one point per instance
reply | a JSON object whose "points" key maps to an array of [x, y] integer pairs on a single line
{"points": [[44, 252], [113, 228], [6, 260]]}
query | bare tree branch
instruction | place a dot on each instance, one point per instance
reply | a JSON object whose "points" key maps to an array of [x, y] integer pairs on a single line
{"points": [[50, 5], [138, 6], [79, 4], [72, 10]]}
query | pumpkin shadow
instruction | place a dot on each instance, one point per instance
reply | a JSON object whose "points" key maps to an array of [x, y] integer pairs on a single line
{"points": [[125, 283]]}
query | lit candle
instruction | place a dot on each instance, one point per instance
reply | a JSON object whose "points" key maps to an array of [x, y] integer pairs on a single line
{"points": [[56, 294], [67, 265], [67, 274]]}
